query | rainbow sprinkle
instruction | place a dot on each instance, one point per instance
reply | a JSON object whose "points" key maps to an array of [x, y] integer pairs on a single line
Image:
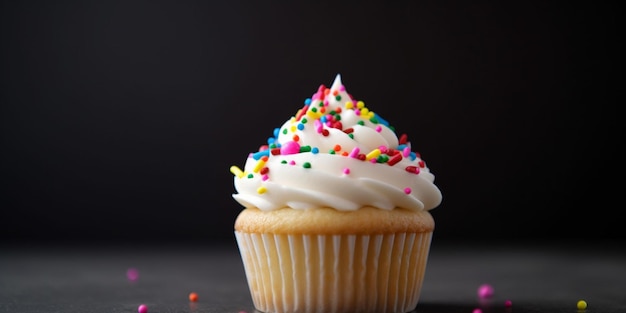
{"points": [[317, 113]]}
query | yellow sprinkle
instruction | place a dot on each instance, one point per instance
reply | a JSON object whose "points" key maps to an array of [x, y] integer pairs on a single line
{"points": [[313, 115], [261, 190], [370, 114], [293, 128], [259, 165], [349, 105], [360, 104], [236, 171], [365, 112], [581, 305], [374, 154]]}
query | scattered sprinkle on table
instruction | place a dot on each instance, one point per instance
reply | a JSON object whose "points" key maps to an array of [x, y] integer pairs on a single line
{"points": [[193, 297], [477, 310], [142, 308], [581, 305], [132, 274], [508, 303], [485, 291]]}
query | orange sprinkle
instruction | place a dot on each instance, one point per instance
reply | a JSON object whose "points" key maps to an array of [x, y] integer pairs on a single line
{"points": [[193, 297]]}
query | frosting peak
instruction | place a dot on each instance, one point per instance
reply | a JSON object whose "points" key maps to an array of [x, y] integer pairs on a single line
{"points": [[335, 152]]}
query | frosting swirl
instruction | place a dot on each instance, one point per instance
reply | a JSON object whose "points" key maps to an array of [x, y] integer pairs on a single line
{"points": [[335, 153]]}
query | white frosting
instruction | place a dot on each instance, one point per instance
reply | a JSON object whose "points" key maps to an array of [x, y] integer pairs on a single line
{"points": [[315, 177]]}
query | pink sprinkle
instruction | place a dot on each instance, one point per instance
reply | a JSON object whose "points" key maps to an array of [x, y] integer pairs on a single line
{"points": [[290, 147], [477, 310], [346, 171], [357, 112], [508, 303], [407, 190], [132, 274], [354, 153], [406, 152], [383, 149], [292, 162], [485, 291], [265, 177], [142, 308], [342, 88], [243, 312], [326, 103], [318, 126], [373, 160], [378, 128]]}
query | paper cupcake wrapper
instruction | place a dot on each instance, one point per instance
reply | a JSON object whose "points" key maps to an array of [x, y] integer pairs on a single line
{"points": [[334, 273]]}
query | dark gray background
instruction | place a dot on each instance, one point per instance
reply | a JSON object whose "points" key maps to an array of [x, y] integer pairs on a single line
{"points": [[120, 119]]}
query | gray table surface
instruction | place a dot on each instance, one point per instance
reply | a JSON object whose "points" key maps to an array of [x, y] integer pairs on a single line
{"points": [[92, 278]]}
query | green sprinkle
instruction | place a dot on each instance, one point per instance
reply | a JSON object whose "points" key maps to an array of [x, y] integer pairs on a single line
{"points": [[273, 145], [338, 97], [361, 123], [374, 120], [303, 120], [314, 110], [351, 136], [331, 151], [284, 131], [305, 149], [250, 175], [306, 165], [283, 162]]}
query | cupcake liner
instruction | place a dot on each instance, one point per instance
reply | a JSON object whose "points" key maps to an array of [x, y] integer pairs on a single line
{"points": [[334, 273]]}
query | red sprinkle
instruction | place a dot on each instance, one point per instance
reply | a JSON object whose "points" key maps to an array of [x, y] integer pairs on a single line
{"points": [[402, 139], [395, 159], [275, 151], [302, 112], [265, 170], [412, 169], [325, 132]]}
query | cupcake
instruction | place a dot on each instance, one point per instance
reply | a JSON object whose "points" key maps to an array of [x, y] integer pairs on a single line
{"points": [[335, 212]]}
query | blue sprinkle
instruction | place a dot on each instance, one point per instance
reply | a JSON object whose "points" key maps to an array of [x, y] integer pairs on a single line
{"points": [[307, 101], [261, 154], [276, 132], [300, 126], [315, 150], [381, 120]]}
